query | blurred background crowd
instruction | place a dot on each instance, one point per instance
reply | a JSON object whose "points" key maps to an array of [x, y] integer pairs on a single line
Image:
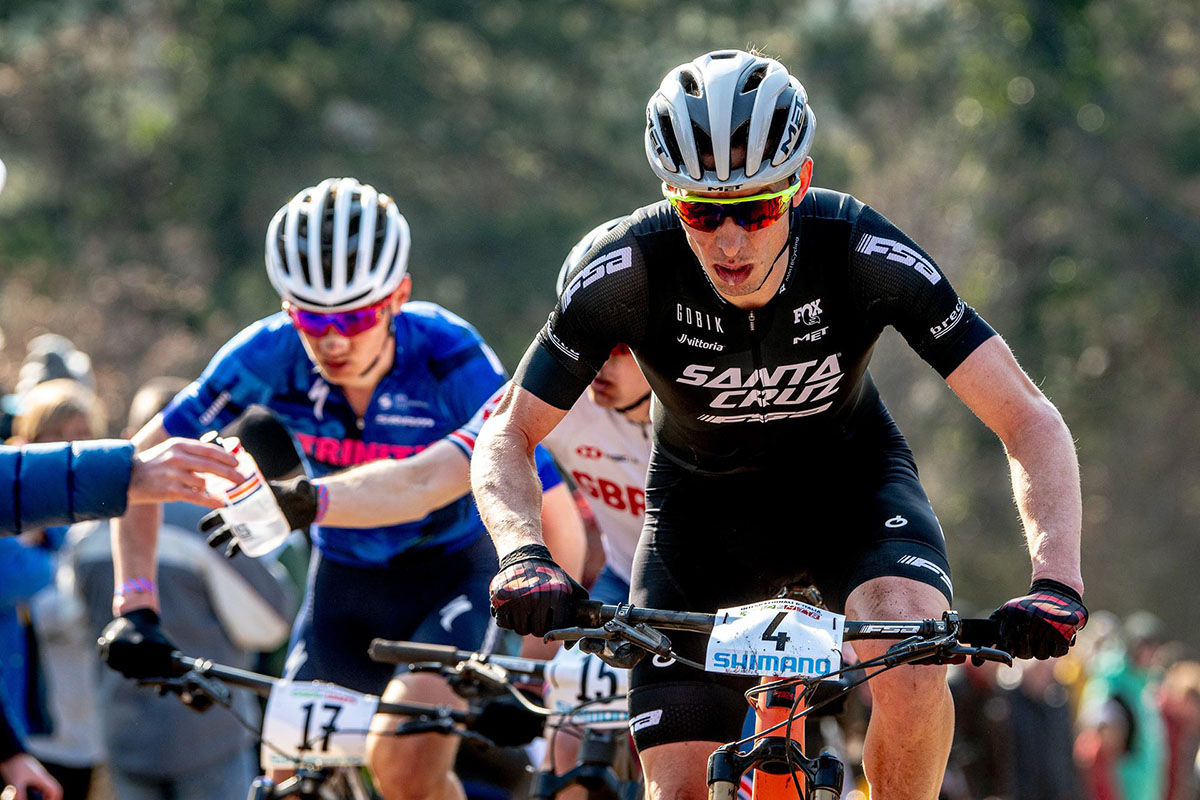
{"points": [[1047, 154]]}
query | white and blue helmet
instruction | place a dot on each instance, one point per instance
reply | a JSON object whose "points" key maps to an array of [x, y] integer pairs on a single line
{"points": [[337, 246]]}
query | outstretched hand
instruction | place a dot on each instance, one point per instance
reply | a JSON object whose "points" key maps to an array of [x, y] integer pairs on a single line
{"points": [[174, 470], [29, 778]]}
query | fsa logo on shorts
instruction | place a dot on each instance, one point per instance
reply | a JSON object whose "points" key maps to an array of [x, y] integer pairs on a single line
{"points": [[606, 264], [898, 252], [924, 563], [649, 719]]}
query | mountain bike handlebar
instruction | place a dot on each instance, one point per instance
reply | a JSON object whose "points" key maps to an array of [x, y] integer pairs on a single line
{"points": [[392, 652], [977, 632], [945, 640], [206, 677]]}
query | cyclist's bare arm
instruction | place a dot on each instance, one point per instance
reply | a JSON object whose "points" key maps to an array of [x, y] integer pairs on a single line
{"points": [[135, 535], [562, 528], [503, 475], [405, 490], [1041, 456], [397, 491]]}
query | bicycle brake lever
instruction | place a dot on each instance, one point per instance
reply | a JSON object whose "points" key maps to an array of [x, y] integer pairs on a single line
{"points": [[484, 673], [571, 635], [980, 654]]}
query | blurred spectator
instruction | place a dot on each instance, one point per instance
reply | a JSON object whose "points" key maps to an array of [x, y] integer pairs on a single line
{"points": [[50, 357], [20, 773], [1179, 700], [1121, 746], [217, 608], [61, 671], [981, 753], [27, 563], [1041, 766]]}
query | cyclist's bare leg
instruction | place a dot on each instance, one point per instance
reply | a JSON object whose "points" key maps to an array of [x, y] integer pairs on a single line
{"points": [[415, 767], [912, 717], [677, 771]]}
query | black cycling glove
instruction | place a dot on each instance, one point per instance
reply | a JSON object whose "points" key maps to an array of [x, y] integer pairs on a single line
{"points": [[134, 645], [1043, 623], [533, 595], [298, 498]]}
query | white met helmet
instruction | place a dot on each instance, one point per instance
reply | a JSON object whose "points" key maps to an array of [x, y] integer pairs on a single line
{"points": [[336, 246], [581, 247], [722, 101]]}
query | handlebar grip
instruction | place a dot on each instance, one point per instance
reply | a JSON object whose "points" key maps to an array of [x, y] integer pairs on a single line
{"points": [[391, 652], [980, 632], [588, 614]]}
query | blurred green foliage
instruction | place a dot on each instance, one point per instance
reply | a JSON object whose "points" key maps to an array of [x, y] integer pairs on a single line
{"points": [[1046, 153]]}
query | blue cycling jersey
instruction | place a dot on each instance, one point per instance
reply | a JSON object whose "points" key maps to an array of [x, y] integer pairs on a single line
{"points": [[442, 376]]}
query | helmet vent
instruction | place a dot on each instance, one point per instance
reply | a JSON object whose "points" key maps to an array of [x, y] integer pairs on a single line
{"points": [[670, 143], [754, 79], [689, 83], [704, 144]]}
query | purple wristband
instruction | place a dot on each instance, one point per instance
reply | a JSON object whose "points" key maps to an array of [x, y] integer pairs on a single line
{"points": [[136, 586], [322, 502]]}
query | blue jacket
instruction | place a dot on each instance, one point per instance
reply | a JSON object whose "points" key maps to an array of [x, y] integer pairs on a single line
{"points": [[63, 482]]}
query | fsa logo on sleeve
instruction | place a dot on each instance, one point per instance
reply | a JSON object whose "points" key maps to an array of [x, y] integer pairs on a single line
{"points": [[898, 252], [606, 264]]}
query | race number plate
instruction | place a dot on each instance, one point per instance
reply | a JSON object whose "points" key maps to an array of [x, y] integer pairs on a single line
{"points": [[780, 638], [316, 723], [574, 678]]}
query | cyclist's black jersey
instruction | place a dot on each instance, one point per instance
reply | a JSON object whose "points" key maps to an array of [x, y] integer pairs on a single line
{"points": [[742, 389]]}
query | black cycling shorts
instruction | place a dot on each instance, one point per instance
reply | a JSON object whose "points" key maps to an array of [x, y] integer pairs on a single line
{"points": [[426, 596], [718, 541]]}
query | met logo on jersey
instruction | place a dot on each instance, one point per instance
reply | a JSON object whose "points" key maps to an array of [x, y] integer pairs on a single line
{"points": [[607, 264], [898, 252], [786, 387]]}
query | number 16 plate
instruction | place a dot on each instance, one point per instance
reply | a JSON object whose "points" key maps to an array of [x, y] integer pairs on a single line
{"points": [[781, 638]]}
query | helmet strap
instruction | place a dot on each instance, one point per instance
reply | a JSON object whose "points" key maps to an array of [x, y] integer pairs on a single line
{"points": [[786, 243], [391, 337], [633, 405]]}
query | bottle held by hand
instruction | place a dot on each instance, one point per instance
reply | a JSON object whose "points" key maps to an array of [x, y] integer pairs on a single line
{"points": [[250, 508]]}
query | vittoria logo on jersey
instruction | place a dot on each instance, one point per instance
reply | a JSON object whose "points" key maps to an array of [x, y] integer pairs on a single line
{"points": [[703, 345], [786, 388], [606, 264], [942, 328], [697, 318], [809, 313], [898, 252]]}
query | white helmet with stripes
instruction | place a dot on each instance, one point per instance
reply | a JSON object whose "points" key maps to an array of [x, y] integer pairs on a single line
{"points": [[713, 108], [337, 246]]}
